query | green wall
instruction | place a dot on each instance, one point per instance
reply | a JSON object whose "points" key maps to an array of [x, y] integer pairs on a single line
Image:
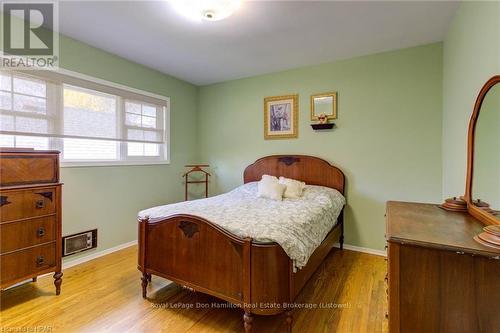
{"points": [[110, 197], [471, 56], [387, 139], [400, 134]]}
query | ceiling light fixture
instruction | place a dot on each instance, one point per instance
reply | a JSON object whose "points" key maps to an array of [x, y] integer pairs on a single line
{"points": [[208, 10]]}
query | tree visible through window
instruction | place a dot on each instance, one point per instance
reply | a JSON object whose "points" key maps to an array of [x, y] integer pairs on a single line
{"points": [[89, 114]]}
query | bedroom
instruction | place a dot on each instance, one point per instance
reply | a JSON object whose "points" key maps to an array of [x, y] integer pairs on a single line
{"points": [[402, 80]]}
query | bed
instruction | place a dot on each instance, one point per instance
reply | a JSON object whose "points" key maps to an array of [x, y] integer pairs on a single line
{"points": [[245, 266]]}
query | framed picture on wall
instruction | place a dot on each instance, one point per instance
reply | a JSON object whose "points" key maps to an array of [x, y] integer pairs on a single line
{"points": [[281, 117]]}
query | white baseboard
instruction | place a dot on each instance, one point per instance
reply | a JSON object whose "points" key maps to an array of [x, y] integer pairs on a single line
{"points": [[363, 249], [95, 255], [81, 260]]}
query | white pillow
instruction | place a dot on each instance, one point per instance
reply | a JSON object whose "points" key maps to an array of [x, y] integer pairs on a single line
{"points": [[294, 188], [267, 177], [269, 187]]}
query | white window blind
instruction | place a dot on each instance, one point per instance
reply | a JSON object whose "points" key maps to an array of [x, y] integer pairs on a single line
{"points": [[143, 122], [24, 111], [88, 121]]}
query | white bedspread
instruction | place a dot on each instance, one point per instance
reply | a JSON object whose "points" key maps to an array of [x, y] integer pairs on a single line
{"points": [[298, 225]]}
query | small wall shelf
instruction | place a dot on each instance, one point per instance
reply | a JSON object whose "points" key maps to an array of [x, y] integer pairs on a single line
{"points": [[322, 126]]}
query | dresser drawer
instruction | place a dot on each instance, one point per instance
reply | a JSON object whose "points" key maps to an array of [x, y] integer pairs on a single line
{"points": [[22, 204], [18, 235], [29, 168], [24, 263]]}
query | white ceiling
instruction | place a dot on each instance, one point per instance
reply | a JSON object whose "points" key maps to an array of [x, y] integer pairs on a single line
{"points": [[261, 37]]}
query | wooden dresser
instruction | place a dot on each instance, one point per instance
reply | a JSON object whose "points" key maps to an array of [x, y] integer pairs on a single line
{"points": [[439, 278], [30, 216]]}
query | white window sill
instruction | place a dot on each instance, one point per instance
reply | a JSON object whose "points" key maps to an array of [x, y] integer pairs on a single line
{"points": [[110, 163]]}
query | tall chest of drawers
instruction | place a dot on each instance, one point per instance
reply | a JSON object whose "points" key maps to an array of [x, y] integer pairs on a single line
{"points": [[30, 216]]}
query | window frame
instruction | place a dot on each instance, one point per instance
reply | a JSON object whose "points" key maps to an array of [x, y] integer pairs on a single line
{"points": [[125, 160], [159, 117]]}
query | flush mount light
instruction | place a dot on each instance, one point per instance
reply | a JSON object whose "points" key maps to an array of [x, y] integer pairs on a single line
{"points": [[208, 10]]}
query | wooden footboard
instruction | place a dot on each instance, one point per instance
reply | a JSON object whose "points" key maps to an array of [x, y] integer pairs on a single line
{"points": [[199, 255], [192, 251]]}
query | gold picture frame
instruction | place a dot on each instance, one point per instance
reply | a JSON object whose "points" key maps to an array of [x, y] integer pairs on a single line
{"points": [[332, 114], [281, 115]]}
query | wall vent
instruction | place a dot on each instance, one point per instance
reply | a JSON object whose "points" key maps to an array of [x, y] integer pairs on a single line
{"points": [[82, 241]]}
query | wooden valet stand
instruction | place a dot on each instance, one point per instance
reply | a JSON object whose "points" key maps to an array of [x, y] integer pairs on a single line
{"points": [[195, 168]]}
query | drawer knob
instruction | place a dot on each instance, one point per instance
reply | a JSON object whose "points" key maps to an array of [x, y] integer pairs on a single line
{"points": [[40, 260], [4, 201], [47, 195], [40, 203], [40, 232]]}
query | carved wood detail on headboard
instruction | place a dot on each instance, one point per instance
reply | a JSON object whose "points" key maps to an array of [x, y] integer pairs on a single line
{"points": [[309, 169], [289, 160]]}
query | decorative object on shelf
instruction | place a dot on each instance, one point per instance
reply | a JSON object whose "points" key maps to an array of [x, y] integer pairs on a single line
{"points": [[281, 117], [454, 204], [323, 119], [196, 168], [324, 104], [490, 237]]}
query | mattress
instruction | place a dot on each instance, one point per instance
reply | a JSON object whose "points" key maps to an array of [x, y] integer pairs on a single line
{"points": [[297, 225]]}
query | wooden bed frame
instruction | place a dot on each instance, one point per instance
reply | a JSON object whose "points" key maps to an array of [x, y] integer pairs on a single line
{"points": [[256, 276]]}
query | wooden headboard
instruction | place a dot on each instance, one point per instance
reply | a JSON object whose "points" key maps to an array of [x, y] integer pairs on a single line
{"points": [[309, 169]]}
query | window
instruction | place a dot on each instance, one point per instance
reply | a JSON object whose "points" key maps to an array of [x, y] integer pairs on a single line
{"points": [[143, 122], [23, 104], [89, 114], [87, 121]]}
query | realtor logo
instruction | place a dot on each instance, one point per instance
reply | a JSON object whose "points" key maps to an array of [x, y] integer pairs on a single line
{"points": [[29, 40]]}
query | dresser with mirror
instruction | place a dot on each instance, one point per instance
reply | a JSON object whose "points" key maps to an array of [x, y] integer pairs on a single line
{"points": [[444, 259]]}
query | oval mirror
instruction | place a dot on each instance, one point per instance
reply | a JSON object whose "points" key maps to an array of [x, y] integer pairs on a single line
{"points": [[483, 171], [486, 174]]}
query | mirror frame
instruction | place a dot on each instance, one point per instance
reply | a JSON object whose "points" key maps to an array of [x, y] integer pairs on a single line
{"points": [[475, 211], [334, 105]]}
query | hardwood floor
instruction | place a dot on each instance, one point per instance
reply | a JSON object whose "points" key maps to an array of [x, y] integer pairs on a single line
{"points": [[104, 295]]}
